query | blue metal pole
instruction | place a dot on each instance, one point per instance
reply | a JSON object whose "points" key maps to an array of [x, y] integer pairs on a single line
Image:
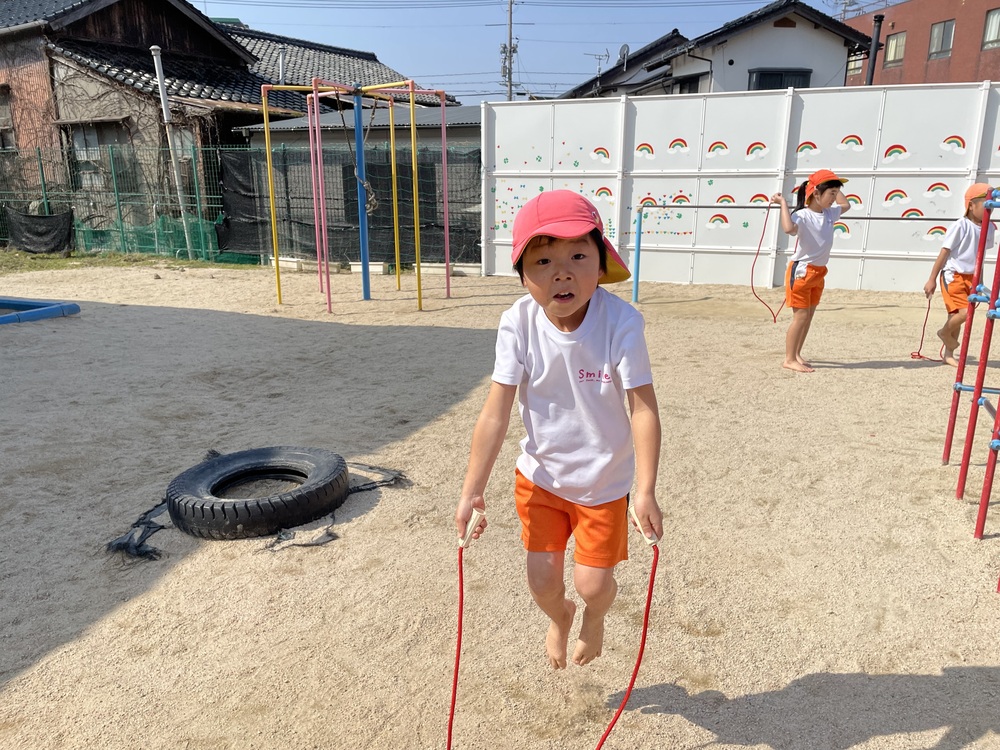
{"points": [[359, 147], [635, 264]]}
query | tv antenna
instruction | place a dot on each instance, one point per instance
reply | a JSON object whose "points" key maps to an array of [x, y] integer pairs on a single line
{"points": [[605, 57]]}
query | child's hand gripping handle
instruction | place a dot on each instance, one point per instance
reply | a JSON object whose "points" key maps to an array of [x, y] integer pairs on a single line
{"points": [[470, 527], [650, 540]]}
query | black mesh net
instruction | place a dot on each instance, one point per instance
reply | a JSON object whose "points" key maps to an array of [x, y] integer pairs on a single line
{"points": [[245, 227]]}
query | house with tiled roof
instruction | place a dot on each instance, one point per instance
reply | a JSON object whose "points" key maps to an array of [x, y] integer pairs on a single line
{"points": [[785, 43], [81, 71]]}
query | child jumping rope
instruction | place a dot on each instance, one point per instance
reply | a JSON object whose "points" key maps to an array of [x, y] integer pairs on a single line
{"points": [[956, 265], [818, 206], [573, 353]]}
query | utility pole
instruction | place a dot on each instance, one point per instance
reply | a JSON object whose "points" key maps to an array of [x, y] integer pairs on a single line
{"points": [[507, 52]]}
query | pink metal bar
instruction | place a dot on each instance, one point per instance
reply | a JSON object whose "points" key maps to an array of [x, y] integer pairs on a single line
{"points": [[984, 355], [444, 188], [322, 198], [311, 102]]}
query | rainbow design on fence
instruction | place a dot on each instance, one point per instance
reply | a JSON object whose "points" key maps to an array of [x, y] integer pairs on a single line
{"points": [[725, 199], [895, 151], [760, 198], [719, 220], [756, 147], [912, 213], [840, 228], [853, 199], [678, 144], [603, 192], [602, 153], [895, 195], [718, 148], [680, 198], [937, 188], [936, 231], [648, 201], [805, 147], [954, 143], [645, 149], [852, 140]]}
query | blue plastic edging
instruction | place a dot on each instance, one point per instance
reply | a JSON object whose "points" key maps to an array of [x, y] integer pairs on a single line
{"points": [[27, 310]]}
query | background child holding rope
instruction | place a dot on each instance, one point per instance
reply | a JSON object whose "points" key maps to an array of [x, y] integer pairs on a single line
{"points": [[956, 265], [574, 353], [820, 203]]}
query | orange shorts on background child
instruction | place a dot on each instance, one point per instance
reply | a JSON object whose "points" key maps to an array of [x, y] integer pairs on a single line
{"points": [[547, 521], [956, 294], [805, 291]]}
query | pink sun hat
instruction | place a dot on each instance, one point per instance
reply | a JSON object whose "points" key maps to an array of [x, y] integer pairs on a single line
{"points": [[564, 215]]}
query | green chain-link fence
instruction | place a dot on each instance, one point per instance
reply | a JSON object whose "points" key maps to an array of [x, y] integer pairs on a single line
{"points": [[123, 199]]}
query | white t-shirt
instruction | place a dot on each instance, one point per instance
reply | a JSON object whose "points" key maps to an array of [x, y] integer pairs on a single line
{"points": [[815, 234], [571, 392], [962, 242]]}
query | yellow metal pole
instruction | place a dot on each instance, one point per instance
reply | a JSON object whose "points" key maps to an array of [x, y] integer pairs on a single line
{"points": [[395, 189], [396, 85], [270, 189], [416, 195]]}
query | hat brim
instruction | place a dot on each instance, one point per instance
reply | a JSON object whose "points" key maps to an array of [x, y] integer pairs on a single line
{"points": [[617, 270]]}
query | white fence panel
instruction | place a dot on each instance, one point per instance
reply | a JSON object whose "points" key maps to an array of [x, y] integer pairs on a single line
{"points": [[909, 153]]}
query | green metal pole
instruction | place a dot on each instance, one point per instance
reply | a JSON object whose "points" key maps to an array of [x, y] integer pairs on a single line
{"points": [[41, 172], [118, 200], [197, 201]]}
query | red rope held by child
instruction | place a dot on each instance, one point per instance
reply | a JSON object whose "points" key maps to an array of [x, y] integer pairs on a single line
{"points": [[774, 315], [642, 647], [458, 647], [923, 332]]}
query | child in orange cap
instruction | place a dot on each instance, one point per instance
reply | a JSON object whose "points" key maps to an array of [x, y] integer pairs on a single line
{"points": [[573, 353], [820, 203], [956, 264]]}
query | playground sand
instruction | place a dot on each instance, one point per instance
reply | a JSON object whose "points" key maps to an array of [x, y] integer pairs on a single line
{"points": [[819, 586]]}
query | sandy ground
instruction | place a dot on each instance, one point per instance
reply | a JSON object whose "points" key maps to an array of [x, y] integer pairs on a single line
{"points": [[819, 585]]}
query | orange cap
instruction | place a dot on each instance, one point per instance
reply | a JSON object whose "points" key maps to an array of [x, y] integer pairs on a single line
{"points": [[818, 178], [979, 190]]}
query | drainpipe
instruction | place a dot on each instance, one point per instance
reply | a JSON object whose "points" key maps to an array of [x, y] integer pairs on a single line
{"points": [[711, 76], [10, 30], [155, 50], [873, 50]]}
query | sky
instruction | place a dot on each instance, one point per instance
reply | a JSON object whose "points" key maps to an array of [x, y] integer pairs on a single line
{"points": [[454, 45]]}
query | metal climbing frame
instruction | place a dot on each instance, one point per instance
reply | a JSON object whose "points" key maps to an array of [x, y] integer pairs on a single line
{"points": [[991, 297]]}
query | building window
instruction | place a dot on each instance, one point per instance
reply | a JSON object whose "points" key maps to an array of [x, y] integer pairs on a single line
{"points": [[6, 120], [942, 35], [895, 46], [91, 162], [766, 79], [991, 34], [689, 85], [855, 63]]}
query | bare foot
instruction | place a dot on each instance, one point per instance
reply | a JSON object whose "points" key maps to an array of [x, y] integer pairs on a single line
{"points": [[797, 366], [950, 342], [557, 639], [949, 358], [591, 640], [802, 362]]}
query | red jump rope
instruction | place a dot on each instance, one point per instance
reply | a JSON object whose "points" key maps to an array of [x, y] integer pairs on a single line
{"points": [[463, 542]]}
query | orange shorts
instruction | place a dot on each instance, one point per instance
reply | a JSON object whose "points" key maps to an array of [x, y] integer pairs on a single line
{"points": [[956, 294], [804, 292], [547, 520]]}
